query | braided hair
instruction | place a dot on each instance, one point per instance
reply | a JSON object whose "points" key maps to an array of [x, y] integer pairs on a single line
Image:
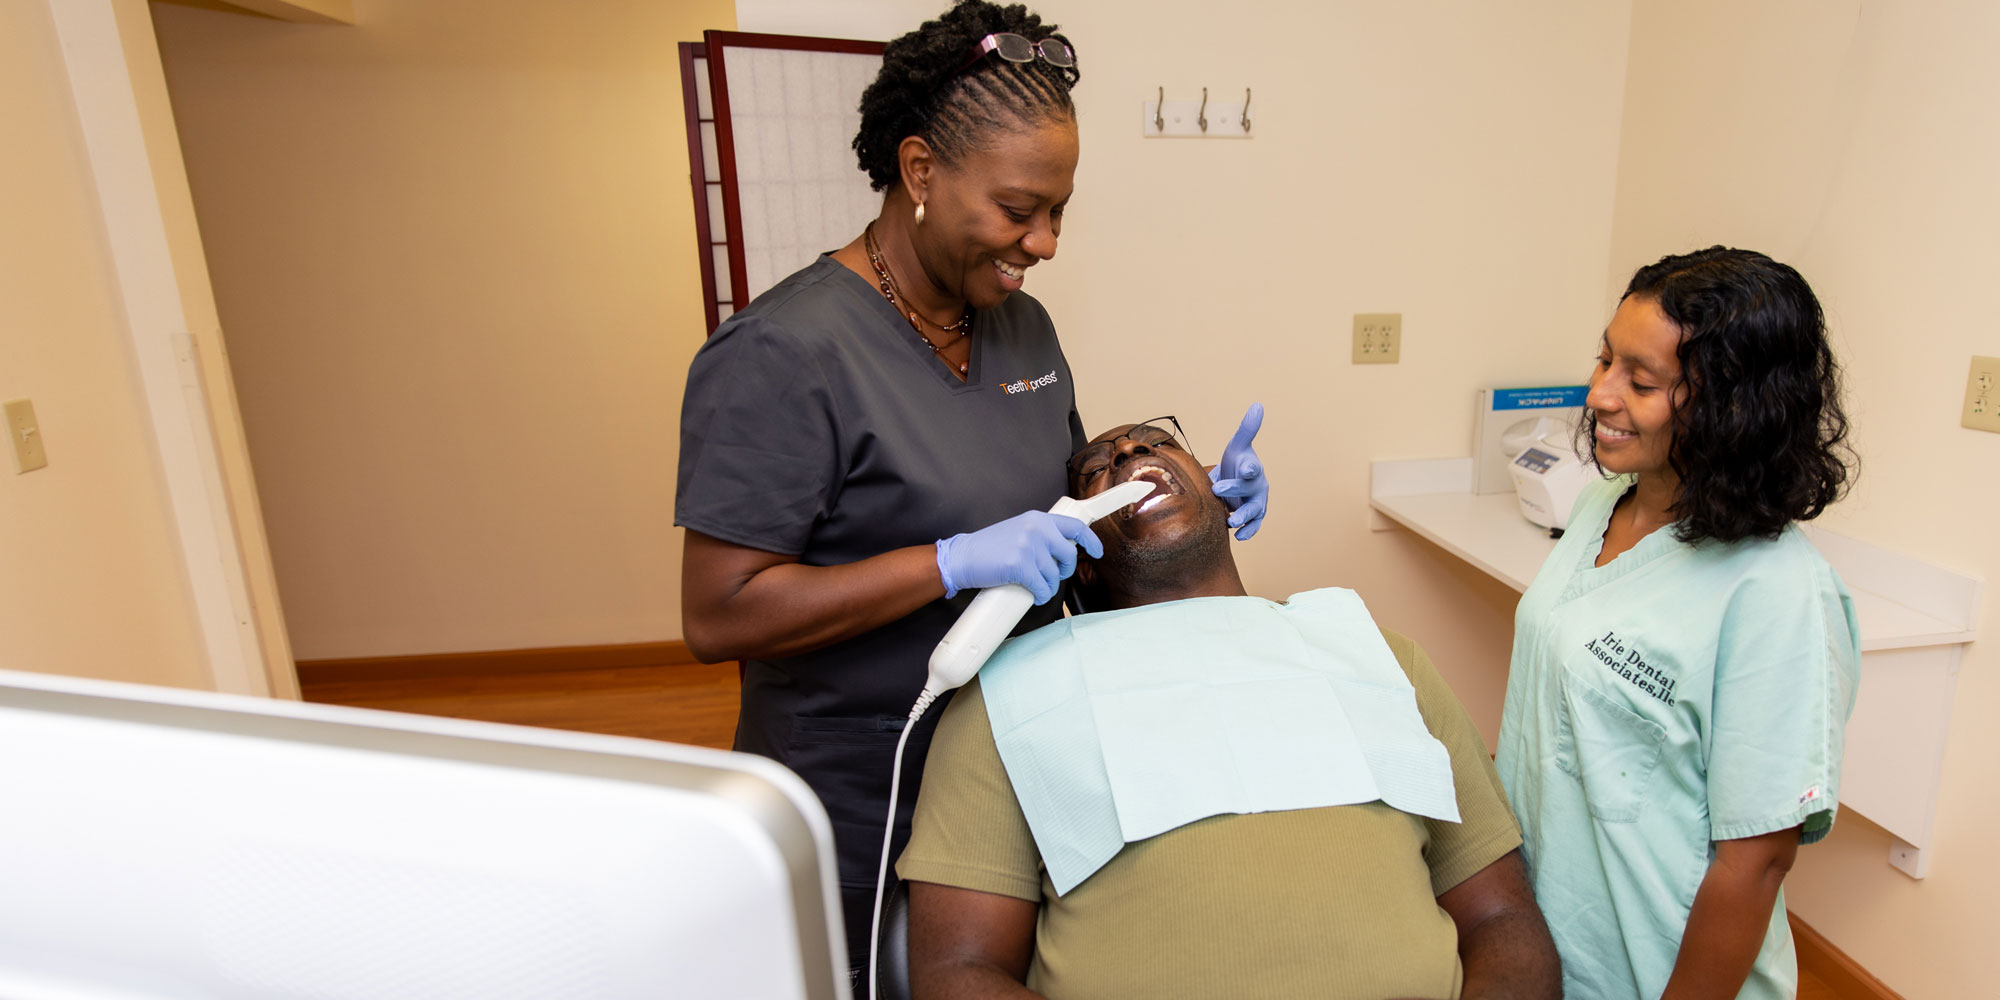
{"points": [[920, 91]]}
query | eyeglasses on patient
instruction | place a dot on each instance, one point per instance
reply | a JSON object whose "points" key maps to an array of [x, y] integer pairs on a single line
{"points": [[1018, 49], [1158, 432]]}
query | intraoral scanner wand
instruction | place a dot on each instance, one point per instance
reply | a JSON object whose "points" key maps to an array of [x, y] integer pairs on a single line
{"points": [[996, 610]]}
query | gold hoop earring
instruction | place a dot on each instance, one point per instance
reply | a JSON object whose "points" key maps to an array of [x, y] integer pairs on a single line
{"points": [[920, 213]]}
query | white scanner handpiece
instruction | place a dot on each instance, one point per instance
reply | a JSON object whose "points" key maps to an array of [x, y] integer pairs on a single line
{"points": [[996, 610]]}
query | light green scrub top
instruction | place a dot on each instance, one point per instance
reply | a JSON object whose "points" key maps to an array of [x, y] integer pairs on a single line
{"points": [[1677, 696]]}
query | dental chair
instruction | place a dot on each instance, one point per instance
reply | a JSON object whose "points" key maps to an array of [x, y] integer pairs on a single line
{"points": [[892, 960]]}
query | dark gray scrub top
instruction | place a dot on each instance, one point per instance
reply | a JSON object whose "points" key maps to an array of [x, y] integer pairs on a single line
{"points": [[817, 424]]}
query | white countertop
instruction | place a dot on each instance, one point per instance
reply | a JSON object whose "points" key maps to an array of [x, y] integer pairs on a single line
{"points": [[1489, 532]]}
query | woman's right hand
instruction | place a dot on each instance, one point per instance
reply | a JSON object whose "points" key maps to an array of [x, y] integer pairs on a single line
{"points": [[1036, 550]]}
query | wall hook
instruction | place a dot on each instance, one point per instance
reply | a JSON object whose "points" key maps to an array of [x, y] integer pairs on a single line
{"points": [[1201, 114], [1245, 119], [1159, 119]]}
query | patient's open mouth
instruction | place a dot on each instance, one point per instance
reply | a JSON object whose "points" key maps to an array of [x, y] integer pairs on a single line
{"points": [[1165, 485]]}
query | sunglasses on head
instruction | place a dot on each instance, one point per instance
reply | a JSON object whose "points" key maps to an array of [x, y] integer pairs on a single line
{"points": [[1018, 49]]}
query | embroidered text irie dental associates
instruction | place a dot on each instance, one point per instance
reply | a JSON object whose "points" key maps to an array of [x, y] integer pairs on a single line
{"points": [[1631, 665], [1029, 384]]}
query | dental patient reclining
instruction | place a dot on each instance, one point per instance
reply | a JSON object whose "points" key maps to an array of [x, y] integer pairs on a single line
{"points": [[1194, 792]]}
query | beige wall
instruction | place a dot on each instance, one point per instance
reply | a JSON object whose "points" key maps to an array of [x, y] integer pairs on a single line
{"points": [[1855, 141], [874, 20], [452, 246], [91, 578]]}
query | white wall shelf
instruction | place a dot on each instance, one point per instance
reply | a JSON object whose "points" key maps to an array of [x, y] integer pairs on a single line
{"points": [[1915, 620]]}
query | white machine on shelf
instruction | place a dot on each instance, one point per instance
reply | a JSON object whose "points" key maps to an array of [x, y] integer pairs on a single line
{"points": [[1508, 420], [1548, 474]]}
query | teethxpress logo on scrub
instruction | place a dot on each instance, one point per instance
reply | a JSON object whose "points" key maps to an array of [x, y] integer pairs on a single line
{"points": [[1029, 384]]}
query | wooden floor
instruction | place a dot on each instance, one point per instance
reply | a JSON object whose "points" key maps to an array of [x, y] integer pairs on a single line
{"points": [[680, 703]]}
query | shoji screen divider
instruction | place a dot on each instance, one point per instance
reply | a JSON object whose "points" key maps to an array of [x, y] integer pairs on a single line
{"points": [[771, 123]]}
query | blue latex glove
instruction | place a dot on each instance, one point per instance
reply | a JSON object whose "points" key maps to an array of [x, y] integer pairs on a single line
{"points": [[1036, 550], [1239, 478]]}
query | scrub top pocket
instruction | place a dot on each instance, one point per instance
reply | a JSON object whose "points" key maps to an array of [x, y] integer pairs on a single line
{"points": [[1610, 748]]}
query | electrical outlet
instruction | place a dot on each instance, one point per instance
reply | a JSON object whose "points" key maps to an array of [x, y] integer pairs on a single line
{"points": [[26, 435], [1982, 395], [1378, 338]]}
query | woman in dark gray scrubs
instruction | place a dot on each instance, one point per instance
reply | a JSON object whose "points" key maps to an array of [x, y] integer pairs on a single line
{"points": [[887, 427]]}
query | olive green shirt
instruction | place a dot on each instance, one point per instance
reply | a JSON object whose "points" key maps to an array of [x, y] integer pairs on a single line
{"points": [[1331, 902]]}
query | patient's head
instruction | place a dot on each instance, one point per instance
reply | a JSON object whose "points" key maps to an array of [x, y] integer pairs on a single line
{"points": [[1174, 543]]}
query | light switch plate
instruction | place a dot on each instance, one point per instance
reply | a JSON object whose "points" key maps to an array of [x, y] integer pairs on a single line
{"points": [[1982, 395], [26, 435]]}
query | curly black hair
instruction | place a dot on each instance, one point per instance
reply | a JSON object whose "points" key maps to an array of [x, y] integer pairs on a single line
{"points": [[921, 91], [1760, 439]]}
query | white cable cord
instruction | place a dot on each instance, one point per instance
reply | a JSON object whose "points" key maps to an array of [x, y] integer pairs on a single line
{"points": [[888, 832]]}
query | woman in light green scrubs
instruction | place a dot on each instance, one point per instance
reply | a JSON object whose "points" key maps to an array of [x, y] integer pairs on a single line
{"points": [[1685, 661]]}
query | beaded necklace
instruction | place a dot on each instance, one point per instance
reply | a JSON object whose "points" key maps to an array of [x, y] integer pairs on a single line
{"points": [[891, 291]]}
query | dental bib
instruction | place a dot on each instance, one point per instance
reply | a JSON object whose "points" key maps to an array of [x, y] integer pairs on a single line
{"points": [[1120, 726]]}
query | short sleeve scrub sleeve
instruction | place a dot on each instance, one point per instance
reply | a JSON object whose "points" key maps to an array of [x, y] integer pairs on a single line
{"points": [[817, 424], [1676, 696]]}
